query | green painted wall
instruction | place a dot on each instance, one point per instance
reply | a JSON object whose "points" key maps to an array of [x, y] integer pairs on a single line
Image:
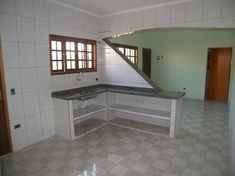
{"points": [[184, 56]]}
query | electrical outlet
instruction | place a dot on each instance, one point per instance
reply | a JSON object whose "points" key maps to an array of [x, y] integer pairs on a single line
{"points": [[13, 91], [97, 79], [17, 126]]}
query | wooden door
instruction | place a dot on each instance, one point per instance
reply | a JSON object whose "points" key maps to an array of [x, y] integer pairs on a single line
{"points": [[5, 139], [146, 61], [218, 74]]}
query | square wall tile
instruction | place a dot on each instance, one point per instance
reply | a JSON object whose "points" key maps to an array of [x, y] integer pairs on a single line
{"points": [[42, 55], [10, 54], [124, 22], [31, 103], [212, 9], [228, 8], [137, 20], [7, 6], [41, 31], [55, 13], [68, 16], [79, 19], [58, 82], [33, 126], [25, 29], [18, 135], [12, 79], [24, 8], [41, 9], [29, 80], [44, 78], [194, 10], [47, 121], [8, 27], [27, 55], [178, 13], [15, 107], [45, 100], [163, 15], [149, 18]]}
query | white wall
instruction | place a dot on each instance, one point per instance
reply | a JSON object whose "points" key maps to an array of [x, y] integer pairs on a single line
{"points": [[25, 26]]}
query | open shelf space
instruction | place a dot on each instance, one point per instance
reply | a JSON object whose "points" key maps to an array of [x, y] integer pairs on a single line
{"points": [[88, 110], [165, 115], [87, 126], [146, 127]]}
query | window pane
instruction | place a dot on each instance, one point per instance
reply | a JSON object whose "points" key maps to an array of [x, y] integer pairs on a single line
{"points": [[89, 47], [67, 55], [54, 65], [58, 45], [59, 65], [121, 49], [90, 64], [68, 65], [89, 56], [81, 64], [81, 55], [72, 46], [53, 45], [127, 51], [132, 52], [54, 55], [59, 55], [67, 45], [73, 64], [81, 47], [72, 54]]}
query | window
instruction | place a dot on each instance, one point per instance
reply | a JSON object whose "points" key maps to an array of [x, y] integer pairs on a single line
{"points": [[72, 55], [129, 51]]}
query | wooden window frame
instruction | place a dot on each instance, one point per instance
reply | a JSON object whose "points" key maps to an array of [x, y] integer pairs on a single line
{"points": [[63, 40], [129, 47]]}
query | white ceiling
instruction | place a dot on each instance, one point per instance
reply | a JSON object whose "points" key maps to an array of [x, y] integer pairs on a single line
{"points": [[108, 7]]}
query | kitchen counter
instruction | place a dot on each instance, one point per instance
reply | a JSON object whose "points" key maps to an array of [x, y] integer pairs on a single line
{"points": [[85, 92]]}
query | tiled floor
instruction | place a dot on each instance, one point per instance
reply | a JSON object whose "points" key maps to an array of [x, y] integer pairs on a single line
{"points": [[200, 149]]}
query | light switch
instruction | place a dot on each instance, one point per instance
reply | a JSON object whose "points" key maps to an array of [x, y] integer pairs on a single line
{"points": [[13, 91]]}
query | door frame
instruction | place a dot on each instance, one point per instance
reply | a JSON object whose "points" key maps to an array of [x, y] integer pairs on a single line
{"points": [[4, 97], [205, 92]]}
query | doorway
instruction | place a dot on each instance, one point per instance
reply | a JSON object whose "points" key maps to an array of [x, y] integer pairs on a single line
{"points": [[146, 61], [218, 74], [5, 137]]}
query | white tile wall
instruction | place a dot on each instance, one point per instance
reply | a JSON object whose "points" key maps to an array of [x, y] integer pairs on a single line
{"points": [[24, 29]]}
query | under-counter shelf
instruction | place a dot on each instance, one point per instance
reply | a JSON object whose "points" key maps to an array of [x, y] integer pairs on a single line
{"points": [[165, 115], [88, 110]]}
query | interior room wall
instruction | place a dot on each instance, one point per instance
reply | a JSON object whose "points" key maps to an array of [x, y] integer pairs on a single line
{"points": [[24, 28], [185, 58]]}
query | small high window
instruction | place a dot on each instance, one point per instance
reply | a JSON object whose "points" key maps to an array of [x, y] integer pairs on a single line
{"points": [[72, 55], [131, 52]]}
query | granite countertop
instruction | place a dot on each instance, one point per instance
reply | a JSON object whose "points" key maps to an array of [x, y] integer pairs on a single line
{"points": [[89, 91]]}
